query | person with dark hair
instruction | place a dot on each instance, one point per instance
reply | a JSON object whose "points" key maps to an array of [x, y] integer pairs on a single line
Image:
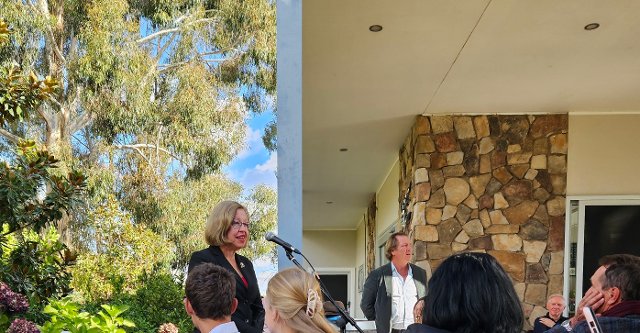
{"points": [[227, 232], [594, 298], [390, 291], [470, 293], [620, 311], [210, 299]]}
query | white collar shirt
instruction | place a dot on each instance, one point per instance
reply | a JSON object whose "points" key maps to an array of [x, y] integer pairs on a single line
{"points": [[229, 327], [404, 297]]}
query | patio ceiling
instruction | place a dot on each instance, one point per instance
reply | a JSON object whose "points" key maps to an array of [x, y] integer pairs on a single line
{"points": [[362, 89]]}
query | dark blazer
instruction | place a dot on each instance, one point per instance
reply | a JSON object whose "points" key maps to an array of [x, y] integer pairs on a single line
{"points": [[422, 328], [377, 294], [249, 316], [628, 324], [539, 327]]}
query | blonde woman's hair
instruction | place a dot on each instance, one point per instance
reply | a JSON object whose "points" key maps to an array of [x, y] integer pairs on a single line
{"points": [[289, 293], [219, 222]]}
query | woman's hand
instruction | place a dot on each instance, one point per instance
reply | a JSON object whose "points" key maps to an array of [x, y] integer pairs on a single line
{"points": [[417, 311]]}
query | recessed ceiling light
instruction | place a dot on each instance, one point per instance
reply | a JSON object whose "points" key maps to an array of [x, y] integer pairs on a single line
{"points": [[592, 26], [329, 202], [344, 149], [375, 28]]}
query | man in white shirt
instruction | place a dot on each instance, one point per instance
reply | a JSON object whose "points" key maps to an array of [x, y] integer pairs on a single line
{"points": [[391, 291], [210, 299]]}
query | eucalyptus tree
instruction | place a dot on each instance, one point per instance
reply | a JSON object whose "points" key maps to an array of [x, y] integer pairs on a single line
{"points": [[152, 92]]}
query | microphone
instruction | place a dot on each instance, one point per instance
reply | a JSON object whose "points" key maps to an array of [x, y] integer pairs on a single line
{"points": [[270, 236]]}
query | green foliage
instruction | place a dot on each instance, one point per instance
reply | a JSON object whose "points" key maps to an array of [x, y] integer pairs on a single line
{"points": [[36, 268], [4, 31], [262, 204], [158, 301], [66, 316], [118, 254], [153, 93], [21, 185], [19, 93], [185, 208]]}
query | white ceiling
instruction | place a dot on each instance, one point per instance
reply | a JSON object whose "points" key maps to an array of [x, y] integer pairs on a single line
{"points": [[362, 90]]}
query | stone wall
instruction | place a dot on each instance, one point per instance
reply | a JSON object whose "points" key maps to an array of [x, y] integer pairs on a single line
{"points": [[493, 184]]}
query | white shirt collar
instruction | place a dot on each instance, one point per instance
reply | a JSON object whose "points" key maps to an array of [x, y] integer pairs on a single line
{"points": [[229, 327], [395, 271]]}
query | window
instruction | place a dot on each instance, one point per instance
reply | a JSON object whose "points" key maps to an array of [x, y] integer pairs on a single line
{"points": [[597, 226]]}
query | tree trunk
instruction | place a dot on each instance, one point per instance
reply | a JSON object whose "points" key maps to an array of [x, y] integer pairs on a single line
{"points": [[57, 138]]}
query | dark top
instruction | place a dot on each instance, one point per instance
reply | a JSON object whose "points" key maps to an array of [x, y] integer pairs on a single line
{"points": [[422, 328], [539, 327], [249, 316]]}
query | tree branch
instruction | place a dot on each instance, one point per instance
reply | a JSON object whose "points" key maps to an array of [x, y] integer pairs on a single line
{"points": [[10, 136], [79, 122], [167, 67], [137, 147], [44, 9], [166, 31]]}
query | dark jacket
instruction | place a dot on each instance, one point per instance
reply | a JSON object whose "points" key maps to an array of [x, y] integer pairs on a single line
{"points": [[539, 327], [376, 294], [623, 317], [422, 328], [628, 324], [249, 316]]}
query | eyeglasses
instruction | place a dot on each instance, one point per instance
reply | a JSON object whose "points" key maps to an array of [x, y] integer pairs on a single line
{"points": [[237, 224]]}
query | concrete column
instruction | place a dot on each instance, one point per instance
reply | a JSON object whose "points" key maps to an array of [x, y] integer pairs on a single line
{"points": [[289, 62]]}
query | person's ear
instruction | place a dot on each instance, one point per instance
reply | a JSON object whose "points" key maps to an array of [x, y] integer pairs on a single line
{"points": [[615, 295], [188, 307], [234, 305]]}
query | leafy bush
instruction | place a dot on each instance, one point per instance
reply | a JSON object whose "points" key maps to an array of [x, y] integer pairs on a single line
{"points": [[120, 253], [36, 267], [66, 316], [12, 304], [158, 301]]}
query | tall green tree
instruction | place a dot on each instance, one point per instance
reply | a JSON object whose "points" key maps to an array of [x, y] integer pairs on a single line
{"points": [[152, 92]]}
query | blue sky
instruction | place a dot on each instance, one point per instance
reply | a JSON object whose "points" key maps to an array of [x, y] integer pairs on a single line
{"points": [[255, 165]]}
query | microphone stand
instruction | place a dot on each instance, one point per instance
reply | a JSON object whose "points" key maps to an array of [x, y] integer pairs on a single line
{"points": [[323, 289]]}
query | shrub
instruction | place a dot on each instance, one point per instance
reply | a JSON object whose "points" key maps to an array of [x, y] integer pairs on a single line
{"points": [[66, 316], [157, 302], [36, 268], [11, 304]]}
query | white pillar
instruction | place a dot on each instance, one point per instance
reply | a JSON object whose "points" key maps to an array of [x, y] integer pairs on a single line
{"points": [[289, 75]]}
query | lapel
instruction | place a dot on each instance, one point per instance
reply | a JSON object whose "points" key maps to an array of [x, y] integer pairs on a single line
{"points": [[418, 279], [388, 279], [222, 261]]}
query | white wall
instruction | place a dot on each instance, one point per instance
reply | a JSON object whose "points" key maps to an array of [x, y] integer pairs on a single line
{"points": [[360, 260], [604, 154], [330, 248]]}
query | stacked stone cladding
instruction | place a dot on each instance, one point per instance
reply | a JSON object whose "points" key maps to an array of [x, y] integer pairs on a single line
{"points": [[494, 184]]}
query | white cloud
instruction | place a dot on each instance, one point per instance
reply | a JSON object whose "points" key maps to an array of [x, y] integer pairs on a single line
{"points": [[270, 165], [252, 143], [264, 173]]}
